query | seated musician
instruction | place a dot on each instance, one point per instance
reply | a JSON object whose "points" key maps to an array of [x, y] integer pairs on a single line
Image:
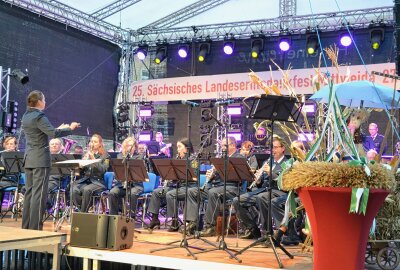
{"points": [[259, 196], [213, 190], [278, 205], [246, 150], [93, 175], [56, 147], [142, 149], [8, 180], [168, 192], [129, 146], [164, 147]]}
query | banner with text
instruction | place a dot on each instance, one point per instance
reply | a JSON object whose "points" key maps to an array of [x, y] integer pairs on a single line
{"points": [[239, 84]]}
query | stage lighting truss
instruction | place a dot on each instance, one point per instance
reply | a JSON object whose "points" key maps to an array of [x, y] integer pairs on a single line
{"points": [[10, 117], [205, 136], [377, 35], [204, 50], [161, 53], [141, 52], [123, 113], [257, 46], [312, 44]]}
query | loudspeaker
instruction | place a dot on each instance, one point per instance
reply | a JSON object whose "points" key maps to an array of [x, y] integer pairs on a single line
{"points": [[89, 230], [101, 231], [120, 232]]}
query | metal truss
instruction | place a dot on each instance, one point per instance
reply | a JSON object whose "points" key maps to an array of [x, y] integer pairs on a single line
{"points": [[113, 8], [325, 21], [287, 9], [73, 17], [4, 88], [183, 14]]}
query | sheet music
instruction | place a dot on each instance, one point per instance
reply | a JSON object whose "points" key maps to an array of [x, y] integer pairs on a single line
{"points": [[81, 162]]}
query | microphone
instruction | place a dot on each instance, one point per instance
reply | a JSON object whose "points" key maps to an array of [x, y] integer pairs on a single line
{"points": [[190, 103], [224, 102], [216, 120]]}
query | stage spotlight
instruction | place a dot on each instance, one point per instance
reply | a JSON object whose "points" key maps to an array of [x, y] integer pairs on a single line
{"points": [[20, 76], [345, 39], [145, 136], [204, 50], [183, 50], [161, 54], [312, 43], [141, 52], [236, 133], [206, 114], [257, 46], [228, 47], [377, 35], [284, 44], [235, 109], [146, 111]]}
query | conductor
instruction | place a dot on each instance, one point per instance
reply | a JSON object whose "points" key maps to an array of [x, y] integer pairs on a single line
{"points": [[37, 161]]}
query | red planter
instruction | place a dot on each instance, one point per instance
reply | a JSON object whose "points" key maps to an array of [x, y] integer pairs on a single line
{"points": [[339, 238]]}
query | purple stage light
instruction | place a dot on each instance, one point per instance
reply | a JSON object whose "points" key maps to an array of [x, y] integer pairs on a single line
{"points": [[141, 54], [145, 111], [308, 108], [228, 48], [183, 52], [306, 137], [345, 40], [235, 109], [145, 136], [236, 133], [284, 45]]}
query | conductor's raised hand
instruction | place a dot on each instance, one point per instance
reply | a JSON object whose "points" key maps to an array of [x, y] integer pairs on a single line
{"points": [[74, 125]]}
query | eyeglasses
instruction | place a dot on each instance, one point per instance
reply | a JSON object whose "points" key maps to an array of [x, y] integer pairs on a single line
{"points": [[275, 147]]}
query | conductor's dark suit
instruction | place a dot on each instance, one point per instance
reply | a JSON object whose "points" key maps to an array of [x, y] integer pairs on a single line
{"points": [[37, 162]]}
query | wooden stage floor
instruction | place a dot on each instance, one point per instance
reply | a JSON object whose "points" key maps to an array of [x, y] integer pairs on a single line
{"points": [[258, 257]]}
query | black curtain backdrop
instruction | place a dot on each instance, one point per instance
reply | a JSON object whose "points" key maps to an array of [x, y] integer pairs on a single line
{"points": [[77, 72]]}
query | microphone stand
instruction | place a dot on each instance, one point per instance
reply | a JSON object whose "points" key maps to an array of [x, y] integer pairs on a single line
{"points": [[222, 244]]}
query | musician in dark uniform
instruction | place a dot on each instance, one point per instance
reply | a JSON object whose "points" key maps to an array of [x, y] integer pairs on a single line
{"points": [[169, 192], [37, 161], [164, 147], [8, 180], [259, 195], [93, 180], [213, 190], [129, 147], [375, 140]]}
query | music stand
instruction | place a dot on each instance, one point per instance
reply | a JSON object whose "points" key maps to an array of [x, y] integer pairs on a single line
{"points": [[178, 170], [129, 170], [71, 165], [54, 170], [13, 164], [273, 108], [237, 170]]}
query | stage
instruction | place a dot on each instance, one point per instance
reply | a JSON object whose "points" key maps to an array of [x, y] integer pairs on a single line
{"points": [[255, 258]]}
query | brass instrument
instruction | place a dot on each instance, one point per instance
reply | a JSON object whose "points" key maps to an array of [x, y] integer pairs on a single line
{"points": [[68, 143]]}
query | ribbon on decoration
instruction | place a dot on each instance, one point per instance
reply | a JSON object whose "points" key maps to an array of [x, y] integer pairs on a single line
{"points": [[285, 167], [361, 162], [359, 200], [290, 208]]}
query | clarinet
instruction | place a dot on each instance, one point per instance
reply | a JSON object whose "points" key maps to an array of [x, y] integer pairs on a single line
{"points": [[257, 178], [165, 184]]}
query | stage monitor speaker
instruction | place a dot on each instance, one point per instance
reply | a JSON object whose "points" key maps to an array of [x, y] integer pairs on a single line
{"points": [[120, 233], [89, 230], [101, 231]]}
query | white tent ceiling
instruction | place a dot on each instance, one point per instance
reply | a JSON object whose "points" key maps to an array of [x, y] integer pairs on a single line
{"points": [[145, 12]]}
